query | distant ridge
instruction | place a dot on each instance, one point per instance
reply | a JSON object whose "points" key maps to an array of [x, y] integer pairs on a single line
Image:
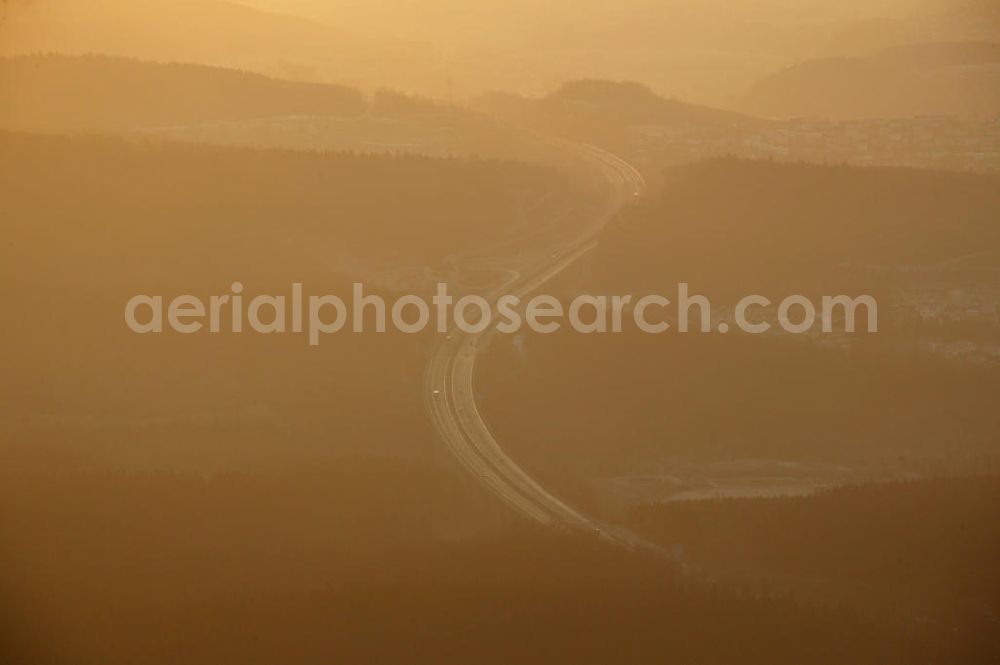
{"points": [[93, 92], [632, 102], [960, 78], [603, 111], [213, 32], [607, 113]]}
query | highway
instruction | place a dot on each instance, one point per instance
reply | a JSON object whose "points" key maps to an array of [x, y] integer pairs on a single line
{"points": [[450, 374]]}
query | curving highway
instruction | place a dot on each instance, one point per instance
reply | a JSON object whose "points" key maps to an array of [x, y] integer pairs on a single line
{"points": [[449, 379]]}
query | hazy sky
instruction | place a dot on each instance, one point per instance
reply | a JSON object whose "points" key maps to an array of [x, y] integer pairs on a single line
{"points": [[707, 51]]}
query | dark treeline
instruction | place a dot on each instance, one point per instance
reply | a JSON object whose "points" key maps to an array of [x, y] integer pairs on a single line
{"points": [[420, 208], [95, 221], [640, 401], [348, 564], [923, 550], [731, 226]]}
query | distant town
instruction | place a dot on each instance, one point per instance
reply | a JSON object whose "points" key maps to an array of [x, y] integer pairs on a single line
{"points": [[938, 142]]}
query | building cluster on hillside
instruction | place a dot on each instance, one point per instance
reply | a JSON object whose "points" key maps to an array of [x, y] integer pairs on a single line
{"points": [[943, 142]]}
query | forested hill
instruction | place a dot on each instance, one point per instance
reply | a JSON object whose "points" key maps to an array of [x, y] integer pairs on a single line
{"points": [[918, 79], [632, 103], [606, 112], [58, 92]]}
